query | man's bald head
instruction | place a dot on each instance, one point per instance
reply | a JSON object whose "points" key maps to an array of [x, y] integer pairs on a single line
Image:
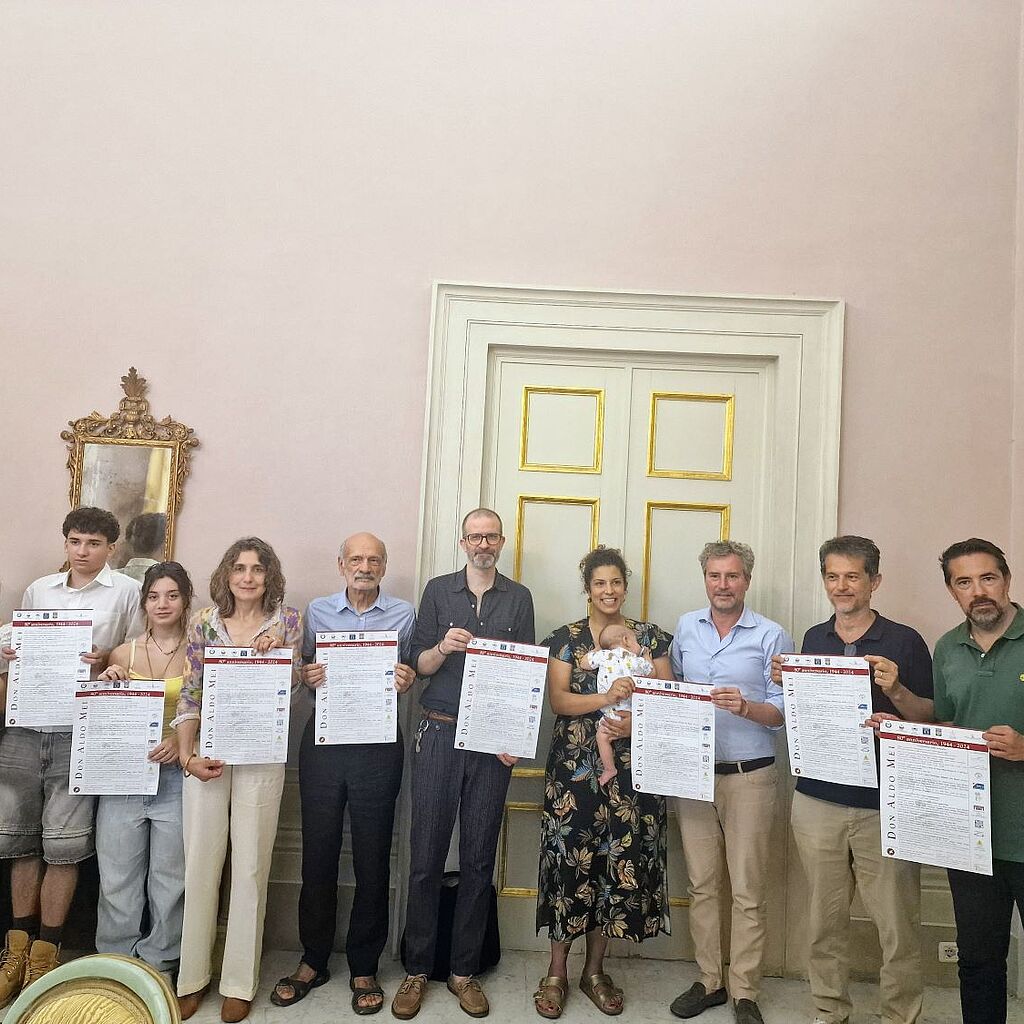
{"points": [[360, 540], [362, 562]]}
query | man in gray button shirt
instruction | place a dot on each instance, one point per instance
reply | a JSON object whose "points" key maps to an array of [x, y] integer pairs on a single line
{"points": [[477, 601]]}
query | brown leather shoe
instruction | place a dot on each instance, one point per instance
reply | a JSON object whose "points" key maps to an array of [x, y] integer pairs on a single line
{"points": [[13, 962], [42, 958], [233, 1010], [471, 996], [187, 1005], [409, 997]]}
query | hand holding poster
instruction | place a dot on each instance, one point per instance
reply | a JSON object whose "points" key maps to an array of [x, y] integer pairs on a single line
{"points": [[502, 693], [41, 680], [827, 700], [935, 793], [673, 750], [246, 705], [357, 701], [117, 724]]}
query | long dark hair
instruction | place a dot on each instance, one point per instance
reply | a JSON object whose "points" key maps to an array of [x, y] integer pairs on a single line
{"points": [[170, 571]]}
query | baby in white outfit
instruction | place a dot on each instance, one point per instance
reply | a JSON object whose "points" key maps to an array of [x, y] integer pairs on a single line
{"points": [[619, 655]]}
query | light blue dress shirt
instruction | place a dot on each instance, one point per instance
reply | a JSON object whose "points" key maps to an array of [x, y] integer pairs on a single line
{"points": [[335, 614], [742, 658]]}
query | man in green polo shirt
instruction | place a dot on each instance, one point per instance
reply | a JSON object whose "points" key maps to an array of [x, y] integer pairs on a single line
{"points": [[979, 684]]}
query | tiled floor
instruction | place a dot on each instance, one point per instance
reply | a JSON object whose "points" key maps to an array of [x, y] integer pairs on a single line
{"points": [[649, 985]]}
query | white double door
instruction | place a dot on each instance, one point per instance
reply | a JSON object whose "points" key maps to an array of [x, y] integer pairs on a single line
{"points": [[655, 459]]}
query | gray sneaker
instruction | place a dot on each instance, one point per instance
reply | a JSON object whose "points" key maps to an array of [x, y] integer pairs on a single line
{"points": [[696, 999], [746, 1012]]}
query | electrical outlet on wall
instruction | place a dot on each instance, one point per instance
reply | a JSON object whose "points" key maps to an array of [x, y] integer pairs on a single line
{"points": [[948, 953]]}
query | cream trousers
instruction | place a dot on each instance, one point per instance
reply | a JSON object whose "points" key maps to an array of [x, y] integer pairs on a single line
{"points": [[730, 836], [244, 802], [840, 846]]}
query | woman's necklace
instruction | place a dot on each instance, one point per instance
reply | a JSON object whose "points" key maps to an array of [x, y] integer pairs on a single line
{"points": [[169, 656]]}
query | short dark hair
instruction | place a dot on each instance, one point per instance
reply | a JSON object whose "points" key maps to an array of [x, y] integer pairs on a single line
{"points": [[596, 559], [220, 589], [88, 519], [170, 571], [851, 546], [147, 532], [481, 512], [972, 546]]}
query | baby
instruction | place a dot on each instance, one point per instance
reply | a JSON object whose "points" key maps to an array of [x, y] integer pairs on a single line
{"points": [[620, 655]]}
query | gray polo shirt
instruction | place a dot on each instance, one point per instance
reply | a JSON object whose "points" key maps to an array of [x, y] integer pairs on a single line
{"points": [[505, 613]]}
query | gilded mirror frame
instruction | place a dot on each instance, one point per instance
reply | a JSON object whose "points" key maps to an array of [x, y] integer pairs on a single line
{"points": [[132, 424]]}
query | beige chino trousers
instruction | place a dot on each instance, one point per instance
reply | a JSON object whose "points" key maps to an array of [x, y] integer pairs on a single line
{"points": [[841, 847], [244, 802], [730, 836]]}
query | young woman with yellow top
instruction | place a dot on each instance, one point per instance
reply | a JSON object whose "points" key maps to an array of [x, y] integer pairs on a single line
{"points": [[139, 846]]}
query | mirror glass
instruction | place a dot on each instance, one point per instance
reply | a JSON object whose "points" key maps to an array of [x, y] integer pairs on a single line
{"points": [[133, 465], [133, 482]]}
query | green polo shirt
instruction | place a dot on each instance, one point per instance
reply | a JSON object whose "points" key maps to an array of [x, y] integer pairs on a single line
{"points": [[976, 690]]}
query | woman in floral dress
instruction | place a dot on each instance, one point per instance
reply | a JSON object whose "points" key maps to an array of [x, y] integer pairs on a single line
{"points": [[602, 848]]}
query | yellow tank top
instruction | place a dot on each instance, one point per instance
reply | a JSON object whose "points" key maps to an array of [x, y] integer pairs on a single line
{"points": [[172, 691]]}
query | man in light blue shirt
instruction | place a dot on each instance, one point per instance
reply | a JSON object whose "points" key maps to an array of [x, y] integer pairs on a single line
{"points": [[364, 776], [730, 647]]}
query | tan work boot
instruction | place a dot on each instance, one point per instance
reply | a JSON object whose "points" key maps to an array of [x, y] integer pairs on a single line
{"points": [[42, 958], [13, 961], [409, 997]]}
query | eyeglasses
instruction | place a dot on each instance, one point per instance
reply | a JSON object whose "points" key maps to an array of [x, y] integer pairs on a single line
{"points": [[476, 539]]}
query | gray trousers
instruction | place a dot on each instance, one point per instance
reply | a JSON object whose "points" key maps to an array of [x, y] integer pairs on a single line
{"points": [[446, 782]]}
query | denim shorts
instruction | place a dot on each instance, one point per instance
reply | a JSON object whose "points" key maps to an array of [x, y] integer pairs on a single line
{"points": [[37, 814]]}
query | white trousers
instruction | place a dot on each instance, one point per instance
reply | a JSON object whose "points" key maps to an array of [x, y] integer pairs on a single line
{"points": [[244, 802]]}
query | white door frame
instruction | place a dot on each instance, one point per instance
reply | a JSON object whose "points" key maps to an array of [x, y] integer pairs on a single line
{"points": [[469, 322]]}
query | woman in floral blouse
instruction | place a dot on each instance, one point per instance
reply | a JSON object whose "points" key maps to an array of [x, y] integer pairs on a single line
{"points": [[248, 590], [602, 848]]}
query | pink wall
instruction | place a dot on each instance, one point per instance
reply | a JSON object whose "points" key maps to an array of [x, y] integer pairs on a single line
{"points": [[250, 202]]}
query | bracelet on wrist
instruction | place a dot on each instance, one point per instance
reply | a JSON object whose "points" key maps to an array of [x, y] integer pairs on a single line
{"points": [[184, 767]]}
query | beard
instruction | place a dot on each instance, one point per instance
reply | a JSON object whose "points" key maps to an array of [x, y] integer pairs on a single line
{"points": [[985, 614], [483, 559]]}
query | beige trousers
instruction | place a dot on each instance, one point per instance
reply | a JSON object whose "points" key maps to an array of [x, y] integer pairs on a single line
{"points": [[839, 847], [244, 802], [732, 835]]}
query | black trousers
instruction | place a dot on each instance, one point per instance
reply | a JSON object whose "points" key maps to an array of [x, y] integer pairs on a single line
{"points": [[366, 777], [446, 782], [983, 907]]}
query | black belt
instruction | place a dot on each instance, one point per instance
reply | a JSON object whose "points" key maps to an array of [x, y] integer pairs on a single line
{"points": [[742, 767]]}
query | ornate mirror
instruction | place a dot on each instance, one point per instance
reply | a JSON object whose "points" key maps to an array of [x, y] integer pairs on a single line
{"points": [[134, 466]]}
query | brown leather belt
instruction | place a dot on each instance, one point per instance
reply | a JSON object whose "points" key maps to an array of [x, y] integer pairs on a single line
{"points": [[438, 716], [742, 767]]}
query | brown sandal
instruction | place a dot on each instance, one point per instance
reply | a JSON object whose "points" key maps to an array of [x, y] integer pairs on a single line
{"points": [[551, 984], [601, 991]]}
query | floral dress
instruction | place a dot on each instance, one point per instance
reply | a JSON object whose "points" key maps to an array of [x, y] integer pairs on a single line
{"points": [[602, 849]]}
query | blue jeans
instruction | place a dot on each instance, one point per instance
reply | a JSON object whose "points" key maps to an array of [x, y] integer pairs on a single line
{"points": [[141, 858]]}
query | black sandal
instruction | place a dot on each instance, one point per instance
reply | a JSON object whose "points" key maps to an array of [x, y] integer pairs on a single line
{"points": [[362, 993], [300, 989]]}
